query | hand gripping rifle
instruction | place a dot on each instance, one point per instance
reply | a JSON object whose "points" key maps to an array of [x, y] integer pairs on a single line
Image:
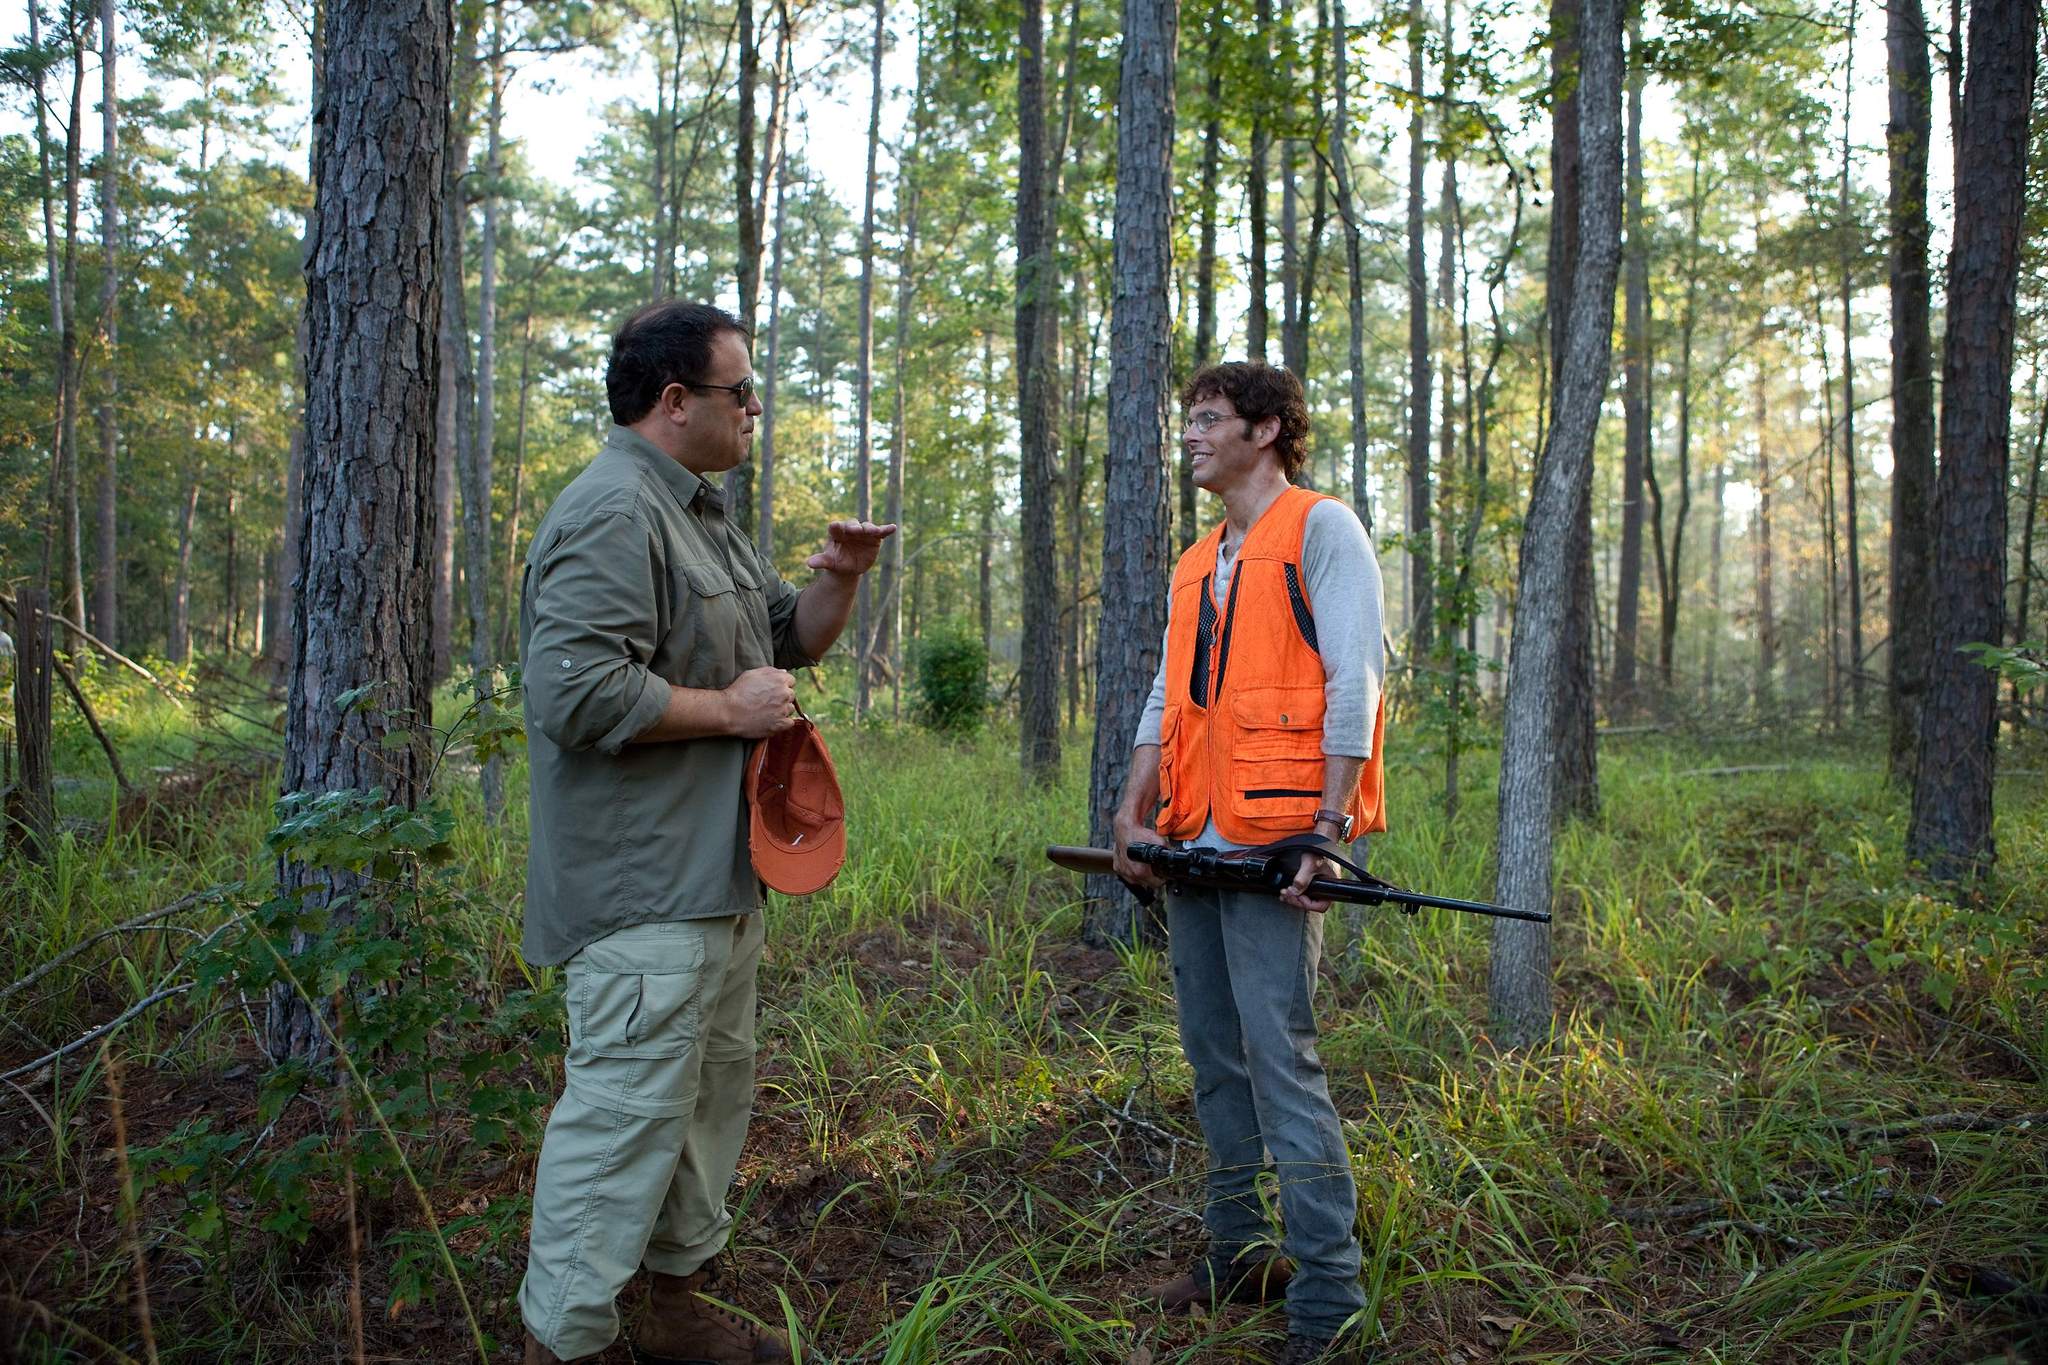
{"points": [[1268, 869]]}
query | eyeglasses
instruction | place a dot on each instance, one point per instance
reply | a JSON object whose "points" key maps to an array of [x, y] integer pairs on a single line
{"points": [[742, 392], [1206, 420]]}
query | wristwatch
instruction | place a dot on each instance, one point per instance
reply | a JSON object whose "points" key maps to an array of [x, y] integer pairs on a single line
{"points": [[1340, 819]]}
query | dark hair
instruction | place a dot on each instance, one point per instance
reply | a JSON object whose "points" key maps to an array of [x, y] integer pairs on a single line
{"points": [[1258, 391], [665, 343]]}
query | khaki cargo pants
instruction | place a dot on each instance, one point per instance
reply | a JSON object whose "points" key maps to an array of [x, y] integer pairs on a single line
{"points": [[643, 1143]]}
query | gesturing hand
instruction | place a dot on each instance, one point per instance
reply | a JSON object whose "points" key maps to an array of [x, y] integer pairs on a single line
{"points": [[763, 700], [850, 547]]}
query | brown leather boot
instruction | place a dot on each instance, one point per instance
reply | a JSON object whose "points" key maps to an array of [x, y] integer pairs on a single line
{"points": [[537, 1354], [682, 1327], [1260, 1280]]}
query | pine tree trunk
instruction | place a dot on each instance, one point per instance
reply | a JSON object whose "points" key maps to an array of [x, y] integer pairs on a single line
{"points": [[73, 581], [1849, 249], [1908, 135], [1257, 324], [764, 528], [1205, 258], [1134, 514], [180, 644], [1421, 575], [1518, 986], [864, 430], [1578, 791], [454, 409], [1292, 342], [31, 813], [1766, 604], [373, 297], [888, 645], [478, 526], [106, 618], [984, 601], [1354, 266], [1037, 288], [1951, 830], [1636, 401]]}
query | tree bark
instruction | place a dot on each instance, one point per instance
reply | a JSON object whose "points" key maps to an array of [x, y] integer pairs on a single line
{"points": [[1621, 683], [764, 515], [864, 430], [478, 526], [1134, 517], [73, 581], [1256, 321], [1766, 604], [31, 801], [1577, 761], [1205, 257], [454, 408], [179, 647], [373, 297], [1951, 830], [106, 618], [1848, 259], [1421, 572], [1910, 78], [888, 644], [1037, 290], [1518, 986], [1347, 205]]}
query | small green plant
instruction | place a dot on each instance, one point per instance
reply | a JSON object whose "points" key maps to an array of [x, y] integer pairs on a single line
{"points": [[952, 680]]}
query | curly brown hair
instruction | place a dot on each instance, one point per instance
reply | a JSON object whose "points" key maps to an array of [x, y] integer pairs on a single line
{"points": [[1258, 391]]}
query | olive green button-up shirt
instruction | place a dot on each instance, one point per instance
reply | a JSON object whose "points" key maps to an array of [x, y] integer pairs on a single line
{"points": [[636, 583]]}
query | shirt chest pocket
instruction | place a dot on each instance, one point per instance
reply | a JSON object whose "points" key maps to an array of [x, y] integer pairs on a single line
{"points": [[720, 625]]}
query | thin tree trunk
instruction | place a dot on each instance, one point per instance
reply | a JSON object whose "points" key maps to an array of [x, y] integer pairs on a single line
{"points": [[1848, 244], [764, 529], [888, 645], [180, 645], [1951, 829], [55, 288], [1766, 606], [2026, 571], [1205, 259], [1256, 322], [1421, 573], [1292, 341], [454, 409], [106, 620], [864, 432], [373, 294], [1910, 78], [74, 576], [1621, 682], [1716, 609], [1518, 986], [984, 599], [1347, 207], [477, 523], [295, 459], [508, 618], [31, 800], [1135, 525], [1037, 288]]}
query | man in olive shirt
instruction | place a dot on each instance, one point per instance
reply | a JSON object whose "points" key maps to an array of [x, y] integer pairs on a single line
{"points": [[654, 640]]}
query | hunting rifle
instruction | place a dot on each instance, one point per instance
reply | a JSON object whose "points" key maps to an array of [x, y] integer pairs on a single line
{"points": [[1269, 868]]}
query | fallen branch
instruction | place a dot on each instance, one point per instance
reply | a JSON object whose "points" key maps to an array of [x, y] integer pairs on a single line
{"points": [[1741, 770], [30, 1068], [1705, 1230], [1943, 1123], [1665, 1212], [103, 647], [125, 927], [92, 722], [1141, 1125]]}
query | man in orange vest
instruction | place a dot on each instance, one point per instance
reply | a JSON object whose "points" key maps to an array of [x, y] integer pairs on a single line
{"points": [[1265, 722]]}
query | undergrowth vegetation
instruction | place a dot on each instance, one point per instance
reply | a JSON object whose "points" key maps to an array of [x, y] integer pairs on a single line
{"points": [[1782, 1117]]}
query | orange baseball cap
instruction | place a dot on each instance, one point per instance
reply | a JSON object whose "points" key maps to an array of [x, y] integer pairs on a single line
{"points": [[796, 828]]}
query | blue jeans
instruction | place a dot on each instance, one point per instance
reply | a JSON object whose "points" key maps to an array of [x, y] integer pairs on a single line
{"points": [[1244, 979]]}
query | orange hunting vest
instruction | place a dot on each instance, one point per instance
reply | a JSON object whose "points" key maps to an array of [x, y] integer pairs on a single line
{"points": [[1242, 736]]}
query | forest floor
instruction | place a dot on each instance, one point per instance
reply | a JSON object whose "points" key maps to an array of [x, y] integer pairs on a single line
{"points": [[1784, 1116]]}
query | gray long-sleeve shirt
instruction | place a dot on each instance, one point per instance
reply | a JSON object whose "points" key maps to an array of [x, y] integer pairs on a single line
{"points": [[636, 583], [1342, 580]]}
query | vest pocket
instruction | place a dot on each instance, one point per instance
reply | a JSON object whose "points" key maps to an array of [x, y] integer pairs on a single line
{"points": [[1278, 722]]}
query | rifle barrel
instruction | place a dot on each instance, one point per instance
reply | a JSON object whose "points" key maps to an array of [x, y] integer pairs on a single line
{"points": [[1102, 862]]}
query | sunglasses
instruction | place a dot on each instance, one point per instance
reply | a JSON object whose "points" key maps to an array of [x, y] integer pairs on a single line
{"points": [[742, 392]]}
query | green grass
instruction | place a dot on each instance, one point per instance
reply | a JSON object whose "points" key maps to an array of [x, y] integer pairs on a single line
{"points": [[940, 1168]]}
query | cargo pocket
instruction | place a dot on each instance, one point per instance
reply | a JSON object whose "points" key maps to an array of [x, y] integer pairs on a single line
{"points": [[1276, 758], [655, 1011]]}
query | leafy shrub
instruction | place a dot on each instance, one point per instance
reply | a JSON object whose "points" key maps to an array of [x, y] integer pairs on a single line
{"points": [[952, 679]]}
